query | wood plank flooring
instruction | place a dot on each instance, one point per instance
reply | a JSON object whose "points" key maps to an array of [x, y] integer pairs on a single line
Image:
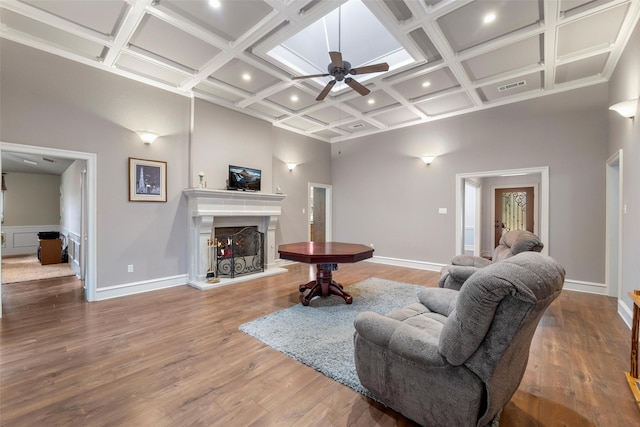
{"points": [[175, 357]]}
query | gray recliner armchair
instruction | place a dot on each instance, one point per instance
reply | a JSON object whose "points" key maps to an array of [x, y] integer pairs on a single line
{"points": [[455, 358], [463, 266]]}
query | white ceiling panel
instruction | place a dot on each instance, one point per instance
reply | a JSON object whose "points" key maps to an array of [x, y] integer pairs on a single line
{"points": [[99, 15], [593, 31], [230, 21], [165, 40], [445, 104], [507, 88], [591, 66], [517, 55], [397, 116], [427, 84], [146, 69], [244, 76], [456, 61], [464, 27]]}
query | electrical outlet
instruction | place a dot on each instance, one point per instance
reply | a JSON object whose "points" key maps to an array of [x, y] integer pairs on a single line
{"points": [[130, 268]]}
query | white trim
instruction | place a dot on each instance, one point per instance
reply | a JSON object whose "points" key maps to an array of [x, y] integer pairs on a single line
{"points": [[420, 265], [614, 289], [625, 313], [133, 288], [585, 287], [544, 201], [29, 233], [91, 276]]}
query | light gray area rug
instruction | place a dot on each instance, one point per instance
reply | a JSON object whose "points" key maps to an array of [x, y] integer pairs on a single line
{"points": [[321, 334]]}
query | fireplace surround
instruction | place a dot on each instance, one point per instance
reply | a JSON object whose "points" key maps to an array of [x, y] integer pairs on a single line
{"points": [[208, 209]]}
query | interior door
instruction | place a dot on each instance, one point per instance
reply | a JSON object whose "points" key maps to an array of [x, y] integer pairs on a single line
{"points": [[319, 220], [514, 210]]}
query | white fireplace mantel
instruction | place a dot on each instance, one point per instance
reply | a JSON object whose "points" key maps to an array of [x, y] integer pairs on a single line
{"points": [[210, 208]]}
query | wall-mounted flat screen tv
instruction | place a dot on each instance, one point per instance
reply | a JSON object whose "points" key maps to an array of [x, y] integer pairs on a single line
{"points": [[242, 178]]}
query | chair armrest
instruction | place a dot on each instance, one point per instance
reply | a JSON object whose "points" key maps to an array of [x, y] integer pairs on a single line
{"points": [[418, 344], [470, 260], [441, 301]]}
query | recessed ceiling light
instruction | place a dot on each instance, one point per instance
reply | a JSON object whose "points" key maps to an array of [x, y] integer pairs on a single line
{"points": [[214, 3], [294, 98], [489, 18], [371, 101], [246, 77], [426, 84]]}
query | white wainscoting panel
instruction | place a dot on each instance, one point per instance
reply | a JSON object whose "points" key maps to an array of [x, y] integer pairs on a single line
{"points": [[22, 240]]}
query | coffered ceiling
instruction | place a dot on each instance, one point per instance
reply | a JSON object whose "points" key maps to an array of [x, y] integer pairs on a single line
{"points": [[444, 59]]}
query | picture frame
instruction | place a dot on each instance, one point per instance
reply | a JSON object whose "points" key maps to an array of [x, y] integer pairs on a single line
{"points": [[147, 180]]}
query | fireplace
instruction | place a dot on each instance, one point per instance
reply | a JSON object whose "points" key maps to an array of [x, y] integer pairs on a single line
{"points": [[237, 251], [212, 209]]}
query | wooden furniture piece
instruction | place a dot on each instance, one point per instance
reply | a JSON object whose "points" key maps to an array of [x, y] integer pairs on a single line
{"points": [[50, 251], [327, 256], [632, 375]]}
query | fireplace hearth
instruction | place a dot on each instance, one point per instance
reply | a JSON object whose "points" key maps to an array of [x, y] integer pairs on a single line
{"points": [[210, 209]]}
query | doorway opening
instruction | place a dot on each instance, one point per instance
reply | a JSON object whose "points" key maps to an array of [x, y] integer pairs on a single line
{"points": [[89, 205], [472, 217], [319, 220], [615, 210], [514, 208], [504, 178]]}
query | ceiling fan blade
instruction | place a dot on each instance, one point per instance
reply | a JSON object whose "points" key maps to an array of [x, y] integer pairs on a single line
{"points": [[375, 68], [357, 86], [336, 59], [309, 76], [326, 90]]}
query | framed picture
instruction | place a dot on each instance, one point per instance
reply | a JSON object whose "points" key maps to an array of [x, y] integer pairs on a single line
{"points": [[147, 180]]}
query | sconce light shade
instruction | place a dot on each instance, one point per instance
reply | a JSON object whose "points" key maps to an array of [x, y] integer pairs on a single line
{"points": [[146, 136], [291, 166], [626, 108], [427, 159]]}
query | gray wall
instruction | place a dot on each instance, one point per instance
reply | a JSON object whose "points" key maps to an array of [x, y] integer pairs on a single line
{"points": [[625, 134], [385, 195], [31, 199], [53, 102], [79, 108], [313, 158]]}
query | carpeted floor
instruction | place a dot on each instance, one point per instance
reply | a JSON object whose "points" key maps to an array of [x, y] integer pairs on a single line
{"points": [[321, 335], [24, 268]]}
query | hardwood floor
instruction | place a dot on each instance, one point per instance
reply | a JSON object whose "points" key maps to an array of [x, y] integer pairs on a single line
{"points": [[175, 357]]}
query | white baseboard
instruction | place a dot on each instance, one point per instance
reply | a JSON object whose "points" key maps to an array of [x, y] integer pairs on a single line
{"points": [[625, 313], [140, 287], [420, 265], [586, 287]]}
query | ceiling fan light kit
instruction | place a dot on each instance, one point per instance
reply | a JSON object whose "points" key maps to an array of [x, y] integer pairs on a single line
{"points": [[339, 70]]}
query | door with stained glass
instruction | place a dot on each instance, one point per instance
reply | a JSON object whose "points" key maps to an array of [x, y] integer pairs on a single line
{"points": [[514, 210]]}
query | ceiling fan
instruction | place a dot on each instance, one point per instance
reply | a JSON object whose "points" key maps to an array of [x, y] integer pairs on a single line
{"points": [[340, 69]]}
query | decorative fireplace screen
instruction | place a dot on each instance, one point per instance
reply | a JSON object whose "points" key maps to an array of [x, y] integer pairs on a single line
{"points": [[238, 252]]}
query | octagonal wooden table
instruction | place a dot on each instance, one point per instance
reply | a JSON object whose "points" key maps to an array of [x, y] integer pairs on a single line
{"points": [[326, 256]]}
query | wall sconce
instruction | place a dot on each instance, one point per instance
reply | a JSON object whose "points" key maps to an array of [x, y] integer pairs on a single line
{"points": [[626, 108], [291, 166], [427, 159], [146, 136]]}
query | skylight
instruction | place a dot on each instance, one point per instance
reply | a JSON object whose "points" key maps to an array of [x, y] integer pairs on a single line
{"points": [[361, 38]]}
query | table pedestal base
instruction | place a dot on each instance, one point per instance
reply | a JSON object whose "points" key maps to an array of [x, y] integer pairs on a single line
{"points": [[324, 285]]}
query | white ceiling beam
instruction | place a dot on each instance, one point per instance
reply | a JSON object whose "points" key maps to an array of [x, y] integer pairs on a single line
{"points": [[130, 23]]}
